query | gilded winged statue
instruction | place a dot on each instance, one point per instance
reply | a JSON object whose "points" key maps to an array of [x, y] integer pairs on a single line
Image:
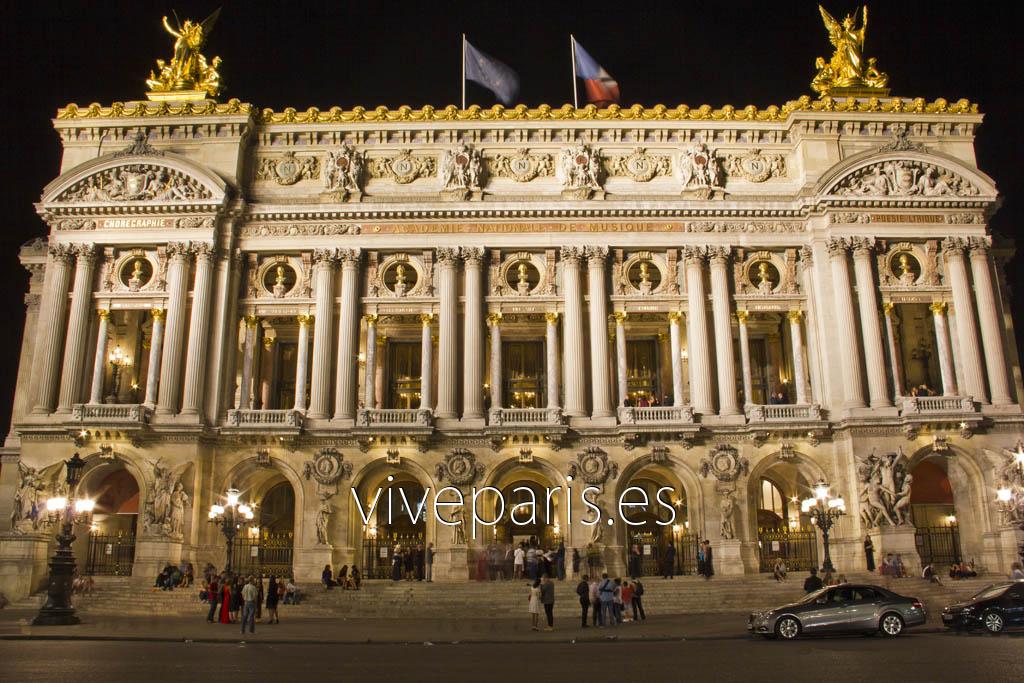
{"points": [[847, 68], [188, 69]]}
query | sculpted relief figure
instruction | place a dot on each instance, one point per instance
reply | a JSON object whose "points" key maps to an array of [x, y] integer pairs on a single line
{"points": [[458, 520], [28, 500], [885, 489], [323, 518], [700, 170], [343, 170], [179, 499], [165, 509], [904, 178], [188, 68], [727, 507], [847, 68], [459, 169], [579, 170]]}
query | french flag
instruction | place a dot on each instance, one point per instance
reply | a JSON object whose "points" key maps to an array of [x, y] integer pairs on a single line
{"points": [[602, 89]]}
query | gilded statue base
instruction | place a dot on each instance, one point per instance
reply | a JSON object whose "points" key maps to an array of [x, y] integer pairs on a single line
{"points": [[838, 92], [178, 96]]}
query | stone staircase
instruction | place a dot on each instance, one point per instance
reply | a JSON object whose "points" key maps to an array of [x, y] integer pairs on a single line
{"points": [[503, 599]]}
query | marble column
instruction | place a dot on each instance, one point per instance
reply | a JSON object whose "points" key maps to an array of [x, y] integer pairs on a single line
{"points": [[324, 263], [966, 330], [494, 321], [552, 370], [621, 369], [447, 333], [99, 363], [51, 327], [427, 362], [938, 309], [725, 361], [991, 326], [867, 298], [473, 336], [676, 356], [799, 369], [179, 254], [599, 360], [156, 354], [78, 329], [700, 359], [849, 349], [346, 385], [748, 383], [199, 330], [370, 380], [895, 358], [302, 361], [248, 362], [573, 377]]}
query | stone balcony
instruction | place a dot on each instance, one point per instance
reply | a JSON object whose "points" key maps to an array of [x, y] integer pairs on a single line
{"points": [[525, 417], [415, 424], [655, 415], [937, 405], [939, 412], [273, 421], [124, 416], [778, 413]]}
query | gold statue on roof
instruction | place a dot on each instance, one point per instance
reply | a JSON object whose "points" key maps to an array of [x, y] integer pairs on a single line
{"points": [[188, 76], [847, 72]]}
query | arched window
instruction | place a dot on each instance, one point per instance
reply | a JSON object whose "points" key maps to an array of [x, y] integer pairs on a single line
{"points": [[772, 500]]}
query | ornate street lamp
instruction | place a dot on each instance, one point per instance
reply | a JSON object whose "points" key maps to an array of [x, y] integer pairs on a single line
{"points": [[58, 611], [824, 511], [231, 518]]}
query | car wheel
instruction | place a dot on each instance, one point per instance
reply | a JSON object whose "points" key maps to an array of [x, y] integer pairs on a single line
{"points": [[787, 628], [994, 622], [891, 624]]}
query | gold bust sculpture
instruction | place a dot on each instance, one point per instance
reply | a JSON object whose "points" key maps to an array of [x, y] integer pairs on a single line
{"points": [[847, 70], [400, 274], [279, 280], [188, 71]]}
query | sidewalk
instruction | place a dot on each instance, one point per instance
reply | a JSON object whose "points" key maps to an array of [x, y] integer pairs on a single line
{"points": [[15, 625]]}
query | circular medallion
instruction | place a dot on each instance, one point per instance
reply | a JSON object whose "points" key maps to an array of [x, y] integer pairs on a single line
{"points": [[136, 273], [279, 279]]}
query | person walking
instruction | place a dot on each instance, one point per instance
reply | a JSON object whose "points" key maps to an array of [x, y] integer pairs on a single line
{"points": [[869, 553], [517, 563], [669, 569], [213, 596], [709, 560], [272, 597], [627, 601], [617, 601], [428, 557], [225, 600], [606, 591], [547, 598], [534, 605], [583, 590], [249, 595], [638, 601]]}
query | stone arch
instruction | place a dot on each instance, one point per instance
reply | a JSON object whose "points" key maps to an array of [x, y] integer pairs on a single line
{"points": [[542, 472], [804, 465], [375, 474], [683, 477], [253, 480], [100, 463], [831, 178]]}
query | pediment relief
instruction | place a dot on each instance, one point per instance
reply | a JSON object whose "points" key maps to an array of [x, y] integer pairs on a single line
{"points": [[906, 175], [136, 182]]}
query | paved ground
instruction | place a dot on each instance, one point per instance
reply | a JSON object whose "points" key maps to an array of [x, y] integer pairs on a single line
{"points": [[921, 657]]}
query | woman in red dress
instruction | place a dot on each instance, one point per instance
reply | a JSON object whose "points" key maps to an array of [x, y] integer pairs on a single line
{"points": [[225, 603]]}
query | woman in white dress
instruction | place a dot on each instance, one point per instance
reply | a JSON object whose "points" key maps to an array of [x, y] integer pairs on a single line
{"points": [[535, 607]]}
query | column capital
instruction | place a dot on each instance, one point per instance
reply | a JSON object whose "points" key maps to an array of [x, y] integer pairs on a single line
{"points": [[742, 317], [205, 251], [719, 255], [268, 342], [370, 319], [304, 319], [806, 256], [179, 251], [426, 319], [158, 313], [448, 256], [494, 319], [252, 321], [887, 307], [551, 317], [472, 256], [620, 317], [838, 247], [954, 246], [85, 252], [350, 257], [103, 313], [938, 307], [674, 317], [572, 255], [979, 247], [325, 257], [862, 247], [795, 315], [62, 253], [596, 255], [694, 256]]}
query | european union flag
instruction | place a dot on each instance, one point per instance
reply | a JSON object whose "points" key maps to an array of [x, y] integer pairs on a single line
{"points": [[490, 73]]}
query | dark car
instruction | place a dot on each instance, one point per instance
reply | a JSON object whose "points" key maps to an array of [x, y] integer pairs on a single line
{"points": [[846, 608], [995, 608]]}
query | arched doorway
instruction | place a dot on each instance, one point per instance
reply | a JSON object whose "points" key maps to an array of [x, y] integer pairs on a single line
{"points": [[267, 545], [933, 513], [398, 523], [109, 547], [783, 530], [660, 522]]}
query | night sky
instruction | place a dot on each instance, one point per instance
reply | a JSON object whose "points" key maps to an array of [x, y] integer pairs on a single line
{"points": [[279, 54]]}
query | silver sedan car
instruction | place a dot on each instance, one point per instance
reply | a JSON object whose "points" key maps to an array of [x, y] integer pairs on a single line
{"points": [[846, 608]]}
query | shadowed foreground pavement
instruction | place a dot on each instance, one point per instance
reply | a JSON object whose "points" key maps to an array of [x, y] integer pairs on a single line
{"points": [[924, 657]]}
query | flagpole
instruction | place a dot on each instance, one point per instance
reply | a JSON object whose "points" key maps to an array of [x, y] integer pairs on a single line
{"points": [[463, 71], [572, 48]]}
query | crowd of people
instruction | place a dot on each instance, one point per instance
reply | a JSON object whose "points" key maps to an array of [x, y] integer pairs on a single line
{"points": [[234, 598], [175, 576], [607, 601], [347, 579]]}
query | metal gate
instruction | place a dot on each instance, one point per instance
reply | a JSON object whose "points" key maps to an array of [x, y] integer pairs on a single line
{"points": [[110, 555], [798, 548], [379, 550], [269, 554], [938, 545], [651, 563]]}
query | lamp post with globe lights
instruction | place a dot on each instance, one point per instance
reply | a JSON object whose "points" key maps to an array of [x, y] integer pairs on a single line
{"points": [[57, 610], [824, 510], [231, 518]]}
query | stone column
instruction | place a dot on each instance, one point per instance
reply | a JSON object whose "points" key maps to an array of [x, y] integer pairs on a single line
{"points": [[248, 362], [966, 331], [726, 363], [748, 384], [599, 360], [676, 356], [895, 358], [799, 369], [849, 349], [552, 374], [473, 336], [156, 353], [448, 327], [78, 329], [991, 328], [370, 378], [99, 363], [572, 327], [324, 262], [700, 360], [867, 297], [938, 309], [199, 330], [621, 371], [179, 254], [494, 321], [348, 338], [427, 362], [302, 361], [51, 327]]}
